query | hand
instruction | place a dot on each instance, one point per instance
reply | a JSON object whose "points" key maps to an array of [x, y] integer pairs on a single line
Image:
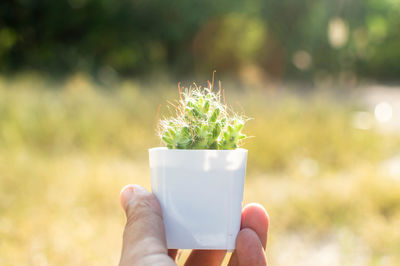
{"points": [[144, 236]]}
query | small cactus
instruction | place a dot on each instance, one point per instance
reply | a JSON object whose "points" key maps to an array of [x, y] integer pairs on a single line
{"points": [[202, 122]]}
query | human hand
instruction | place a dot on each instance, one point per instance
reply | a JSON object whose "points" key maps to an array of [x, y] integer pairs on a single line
{"points": [[144, 236]]}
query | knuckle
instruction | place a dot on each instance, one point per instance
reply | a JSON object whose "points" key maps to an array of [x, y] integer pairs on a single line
{"points": [[142, 207]]}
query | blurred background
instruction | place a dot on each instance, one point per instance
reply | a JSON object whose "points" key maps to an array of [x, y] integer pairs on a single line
{"points": [[81, 83]]}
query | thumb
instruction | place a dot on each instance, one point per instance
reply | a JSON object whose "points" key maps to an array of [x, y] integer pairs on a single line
{"points": [[144, 236]]}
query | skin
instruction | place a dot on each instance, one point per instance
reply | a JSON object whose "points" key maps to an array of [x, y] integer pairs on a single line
{"points": [[144, 236]]}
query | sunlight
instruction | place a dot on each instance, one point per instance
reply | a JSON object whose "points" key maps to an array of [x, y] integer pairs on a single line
{"points": [[383, 112], [338, 33]]}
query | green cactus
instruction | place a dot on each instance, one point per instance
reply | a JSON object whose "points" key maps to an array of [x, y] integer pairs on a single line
{"points": [[202, 122]]}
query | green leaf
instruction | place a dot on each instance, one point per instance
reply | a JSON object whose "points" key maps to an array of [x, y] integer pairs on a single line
{"points": [[167, 140], [185, 131], [239, 126], [206, 106], [216, 131], [214, 115], [171, 132]]}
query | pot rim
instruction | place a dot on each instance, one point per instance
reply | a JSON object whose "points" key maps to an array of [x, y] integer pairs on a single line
{"points": [[195, 151]]}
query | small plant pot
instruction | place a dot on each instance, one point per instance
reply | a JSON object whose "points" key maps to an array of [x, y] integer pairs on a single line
{"points": [[201, 194]]}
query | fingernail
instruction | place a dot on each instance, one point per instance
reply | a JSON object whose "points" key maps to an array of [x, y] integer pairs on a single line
{"points": [[126, 194], [139, 190]]}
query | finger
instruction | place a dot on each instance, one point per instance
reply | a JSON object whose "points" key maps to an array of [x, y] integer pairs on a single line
{"points": [[205, 257], [254, 217], [144, 237], [249, 249], [172, 253]]}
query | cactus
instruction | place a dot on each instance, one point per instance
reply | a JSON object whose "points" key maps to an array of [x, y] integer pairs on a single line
{"points": [[202, 122]]}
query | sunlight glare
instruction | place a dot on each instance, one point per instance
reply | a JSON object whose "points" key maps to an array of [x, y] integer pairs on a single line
{"points": [[383, 112]]}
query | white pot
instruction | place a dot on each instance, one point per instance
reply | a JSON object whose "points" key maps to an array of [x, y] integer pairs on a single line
{"points": [[200, 193]]}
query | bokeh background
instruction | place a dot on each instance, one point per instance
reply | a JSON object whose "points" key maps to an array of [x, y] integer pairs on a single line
{"points": [[81, 83]]}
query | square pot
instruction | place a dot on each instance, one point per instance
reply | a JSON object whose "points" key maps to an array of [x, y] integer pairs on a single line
{"points": [[201, 194]]}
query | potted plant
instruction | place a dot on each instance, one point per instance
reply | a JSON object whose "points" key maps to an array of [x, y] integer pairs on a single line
{"points": [[198, 177]]}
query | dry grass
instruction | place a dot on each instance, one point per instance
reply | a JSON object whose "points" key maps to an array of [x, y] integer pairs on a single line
{"points": [[65, 153]]}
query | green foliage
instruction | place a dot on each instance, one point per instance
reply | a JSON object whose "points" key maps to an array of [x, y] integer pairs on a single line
{"points": [[122, 38], [202, 122]]}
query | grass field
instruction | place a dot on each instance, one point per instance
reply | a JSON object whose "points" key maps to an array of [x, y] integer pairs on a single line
{"points": [[67, 149]]}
